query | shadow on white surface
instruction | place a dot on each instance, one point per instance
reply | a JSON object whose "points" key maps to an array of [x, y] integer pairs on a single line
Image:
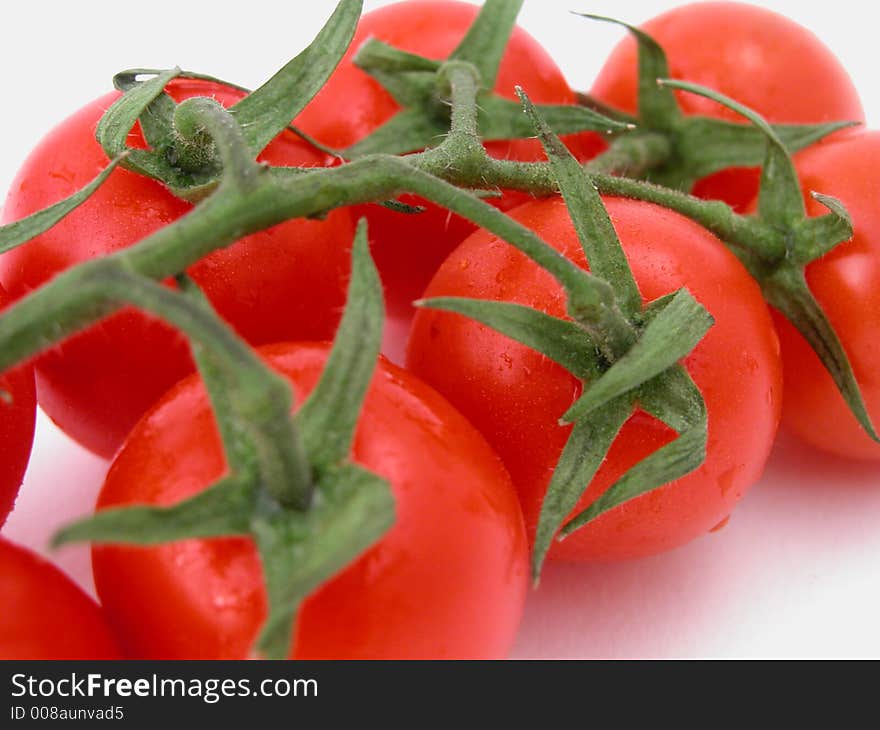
{"points": [[61, 484], [793, 575]]}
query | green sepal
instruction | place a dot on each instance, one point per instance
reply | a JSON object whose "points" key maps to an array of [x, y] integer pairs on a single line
{"points": [[160, 163], [571, 276], [254, 401], [301, 550], [266, 112], [658, 108], [561, 340], [23, 230], [415, 129], [584, 452], [302, 541], [643, 368], [409, 78], [262, 114], [605, 110], [155, 119], [780, 201], [781, 275], [669, 336], [423, 120], [219, 378], [786, 289], [486, 40], [129, 78], [220, 510], [699, 145], [595, 231], [501, 118], [673, 398], [407, 131], [117, 122], [817, 236], [376, 56], [838, 210], [330, 414], [707, 145]]}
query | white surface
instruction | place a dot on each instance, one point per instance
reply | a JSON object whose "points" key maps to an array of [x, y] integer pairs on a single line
{"points": [[794, 574]]}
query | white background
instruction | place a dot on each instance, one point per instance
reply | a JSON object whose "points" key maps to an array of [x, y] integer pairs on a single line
{"points": [[794, 574]]}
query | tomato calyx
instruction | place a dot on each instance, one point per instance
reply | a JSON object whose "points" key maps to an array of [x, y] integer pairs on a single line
{"points": [[775, 244], [416, 84], [185, 159], [625, 353], [695, 146], [290, 484], [189, 164]]}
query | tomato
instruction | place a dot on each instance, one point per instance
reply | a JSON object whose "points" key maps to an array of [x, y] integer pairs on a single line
{"points": [[286, 282], [760, 58], [17, 418], [515, 396], [409, 248], [448, 580], [846, 282], [45, 614]]}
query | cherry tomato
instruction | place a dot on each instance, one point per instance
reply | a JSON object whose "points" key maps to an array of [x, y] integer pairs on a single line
{"points": [[17, 416], [286, 282], [760, 58], [846, 282], [409, 248], [515, 396], [448, 580], [45, 614]]}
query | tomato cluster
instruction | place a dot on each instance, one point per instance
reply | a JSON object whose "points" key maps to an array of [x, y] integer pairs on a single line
{"points": [[468, 434]]}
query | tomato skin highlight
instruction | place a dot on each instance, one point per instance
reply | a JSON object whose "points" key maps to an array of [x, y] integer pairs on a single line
{"points": [[409, 248], [286, 282], [17, 421], [753, 55], [45, 614], [447, 581], [846, 283], [515, 396]]}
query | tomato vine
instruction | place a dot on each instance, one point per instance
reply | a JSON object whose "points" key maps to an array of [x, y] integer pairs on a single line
{"points": [[290, 484]]}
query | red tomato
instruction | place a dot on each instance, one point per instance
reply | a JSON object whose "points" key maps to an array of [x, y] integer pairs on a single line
{"points": [[758, 57], [45, 614], [287, 282], [846, 282], [515, 396], [17, 418], [447, 581], [409, 248]]}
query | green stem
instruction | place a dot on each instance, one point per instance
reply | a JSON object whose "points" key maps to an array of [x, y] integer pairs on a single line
{"points": [[743, 232], [207, 130], [462, 149], [633, 154], [273, 195], [261, 399]]}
